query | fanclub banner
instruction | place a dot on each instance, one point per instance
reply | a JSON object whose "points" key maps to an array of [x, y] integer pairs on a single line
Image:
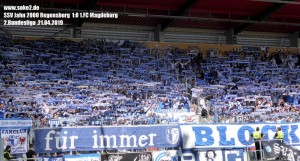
{"points": [[82, 157], [276, 149], [169, 155], [106, 138], [16, 138], [144, 156], [233, 135]]}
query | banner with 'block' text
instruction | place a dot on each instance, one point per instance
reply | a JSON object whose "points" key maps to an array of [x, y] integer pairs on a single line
{"points": [[234, 135]]}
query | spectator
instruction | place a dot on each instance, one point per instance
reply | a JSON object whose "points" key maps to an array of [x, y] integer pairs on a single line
{"points": [[204, 113], [31, 155], [279, 134], [257, 136], [6, 153]]}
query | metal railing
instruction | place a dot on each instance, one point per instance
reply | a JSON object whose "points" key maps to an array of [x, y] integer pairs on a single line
{"points": [[258, 154], [24, 159]]}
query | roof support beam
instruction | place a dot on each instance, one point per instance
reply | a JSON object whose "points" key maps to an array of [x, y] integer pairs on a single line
{"points": [[61, 31], [89, 5], [295, 39], [277, 1], [260, 16], [158, 36], [188, 4]]}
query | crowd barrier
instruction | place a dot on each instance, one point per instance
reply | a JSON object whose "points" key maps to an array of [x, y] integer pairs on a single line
{"points": [[170, 155], [163, 155], [206, 47]]}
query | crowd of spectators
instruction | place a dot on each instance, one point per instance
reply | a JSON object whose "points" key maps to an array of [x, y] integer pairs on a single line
{"points": [[251, 86], [65, 83]]}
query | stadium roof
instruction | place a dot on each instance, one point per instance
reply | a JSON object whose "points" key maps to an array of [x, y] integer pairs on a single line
{"points": [[239, 15]]}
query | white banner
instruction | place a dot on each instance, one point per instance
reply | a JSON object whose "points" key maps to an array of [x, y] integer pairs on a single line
{"points": [[170, 155], [215, 155], [234, 135], [82, 157], [186, 117], [22, 123], [50, 159], [16, 138], [210, 155]]}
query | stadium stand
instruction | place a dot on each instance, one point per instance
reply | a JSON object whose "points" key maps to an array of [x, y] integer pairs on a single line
{"points": [[74, 84], [70, 84], [134, 80]]}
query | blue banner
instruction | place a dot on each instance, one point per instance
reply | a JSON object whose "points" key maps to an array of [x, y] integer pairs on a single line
{"points": [[106, 138]]}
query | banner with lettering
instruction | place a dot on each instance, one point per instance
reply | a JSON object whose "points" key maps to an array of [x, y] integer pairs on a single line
{"points": [[82, 157], [16, 138], [16, 123], [106, 138], [276, 149], [170, 110], [180, 116], [49, 159], [142, 156], [233, 135]]}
